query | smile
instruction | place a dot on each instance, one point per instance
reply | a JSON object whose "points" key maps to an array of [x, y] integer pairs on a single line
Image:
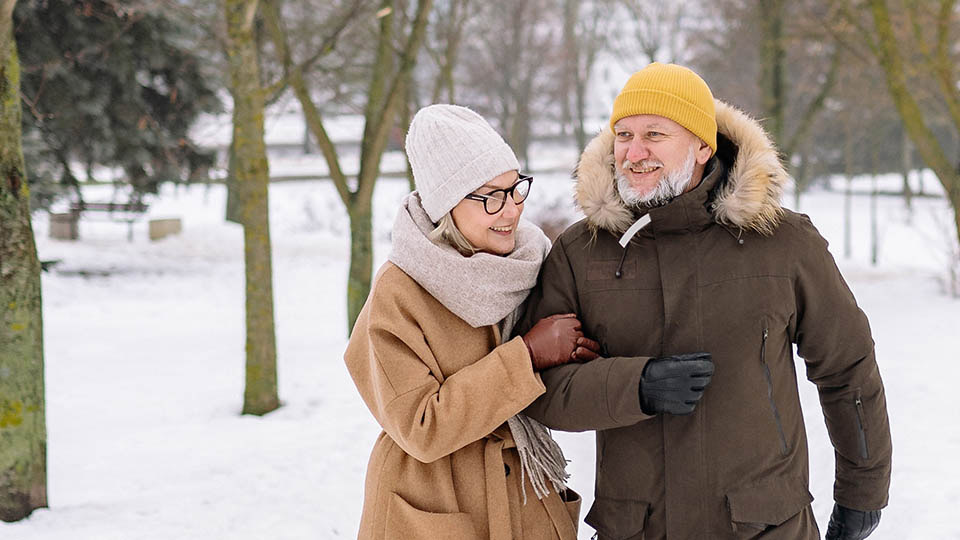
{"points": [[501, 229], [644, 170]]}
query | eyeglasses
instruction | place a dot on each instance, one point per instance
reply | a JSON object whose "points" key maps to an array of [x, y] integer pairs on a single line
{"points": [[494, 201]]}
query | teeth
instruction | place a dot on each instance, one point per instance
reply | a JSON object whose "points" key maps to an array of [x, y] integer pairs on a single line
{"points": [[501, 229], [644, 170]]}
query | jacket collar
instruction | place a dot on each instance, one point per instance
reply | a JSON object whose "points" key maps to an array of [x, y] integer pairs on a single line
{"points": [[742, 189]]}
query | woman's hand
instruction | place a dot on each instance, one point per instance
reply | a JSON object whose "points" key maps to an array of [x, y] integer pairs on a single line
{"points": [[558, 339]]}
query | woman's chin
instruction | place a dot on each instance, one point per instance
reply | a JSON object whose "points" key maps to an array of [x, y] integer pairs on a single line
{"points": [[500, 246]]}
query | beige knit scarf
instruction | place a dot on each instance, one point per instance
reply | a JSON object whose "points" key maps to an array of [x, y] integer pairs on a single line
{"points": [[483, 290]]}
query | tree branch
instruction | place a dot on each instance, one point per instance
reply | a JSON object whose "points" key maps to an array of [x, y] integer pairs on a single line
{"points": [[815, 106], [383, 121], [311, 114]]}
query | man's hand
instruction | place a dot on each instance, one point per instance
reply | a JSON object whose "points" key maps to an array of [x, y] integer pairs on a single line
{"points": [[847, 524], [675, 384], [558, 339]]}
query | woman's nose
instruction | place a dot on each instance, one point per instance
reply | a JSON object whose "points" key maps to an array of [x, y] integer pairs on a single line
{"points": [[511, 209]]}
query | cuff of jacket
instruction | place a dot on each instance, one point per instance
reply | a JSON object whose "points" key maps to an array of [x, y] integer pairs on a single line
{"points": [[622, 389], [519, 366]]}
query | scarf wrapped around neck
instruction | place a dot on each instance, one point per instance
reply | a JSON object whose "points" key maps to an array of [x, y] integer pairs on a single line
{"points": [[483, 290]]}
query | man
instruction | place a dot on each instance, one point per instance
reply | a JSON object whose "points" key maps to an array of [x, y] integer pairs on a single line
{"points": [[697, 284]]}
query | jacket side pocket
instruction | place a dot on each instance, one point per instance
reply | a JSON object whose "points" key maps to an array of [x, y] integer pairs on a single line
{"points": [[618, 519], [404, 522], [757, 508]]}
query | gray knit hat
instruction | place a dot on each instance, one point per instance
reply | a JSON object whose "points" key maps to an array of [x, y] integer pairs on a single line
{"points": [[453, 151]]}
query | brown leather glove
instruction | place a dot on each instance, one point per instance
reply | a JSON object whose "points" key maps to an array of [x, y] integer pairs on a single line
{"points": [[558, 339]]}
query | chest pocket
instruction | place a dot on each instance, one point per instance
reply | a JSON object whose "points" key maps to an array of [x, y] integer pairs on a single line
{"points": [[624, 314]]}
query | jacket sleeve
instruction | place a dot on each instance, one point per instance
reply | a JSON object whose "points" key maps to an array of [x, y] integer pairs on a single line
{"points": [[426, 415], [596, 395], [833, 337]]}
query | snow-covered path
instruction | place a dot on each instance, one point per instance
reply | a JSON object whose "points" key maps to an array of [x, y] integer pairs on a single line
{"points": [[144, 353]]}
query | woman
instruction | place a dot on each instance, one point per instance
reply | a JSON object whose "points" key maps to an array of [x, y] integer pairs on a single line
{"points": [[455, 459]]}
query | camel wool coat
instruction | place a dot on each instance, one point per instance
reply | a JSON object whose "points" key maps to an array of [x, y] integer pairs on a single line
{"points": [[445, 465]]}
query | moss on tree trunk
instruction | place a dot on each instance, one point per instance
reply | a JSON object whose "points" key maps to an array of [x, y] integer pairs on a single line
{"points": [[260, 392], [23, 438]]}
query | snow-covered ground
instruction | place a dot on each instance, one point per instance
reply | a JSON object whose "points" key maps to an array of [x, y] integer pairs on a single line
{"points": [[144, 357]]}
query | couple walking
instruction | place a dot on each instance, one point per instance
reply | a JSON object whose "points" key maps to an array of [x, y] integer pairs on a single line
{"points": [[664, 321]]}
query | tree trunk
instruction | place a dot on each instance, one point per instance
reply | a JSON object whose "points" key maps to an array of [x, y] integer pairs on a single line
{"points": [[800, 180], [571, 58], [234, 195], [361, 260], [772, 58], [23, 437], [377, 124], [405, 118], [874, 225], [848, 192], [260, 392], [906, 165]]}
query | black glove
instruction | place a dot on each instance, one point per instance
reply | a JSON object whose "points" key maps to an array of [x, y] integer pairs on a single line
{"points": [[847, 524], [674, 384]]}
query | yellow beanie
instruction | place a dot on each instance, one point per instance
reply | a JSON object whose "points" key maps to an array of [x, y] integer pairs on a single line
{"points": [[671, 91]]}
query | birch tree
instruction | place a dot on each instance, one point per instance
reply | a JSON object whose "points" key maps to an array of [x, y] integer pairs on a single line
{"points": [[23, 438], [252, 176]]}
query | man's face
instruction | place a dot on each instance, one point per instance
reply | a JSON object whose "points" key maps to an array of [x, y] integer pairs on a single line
{"points": [[657, 159]]}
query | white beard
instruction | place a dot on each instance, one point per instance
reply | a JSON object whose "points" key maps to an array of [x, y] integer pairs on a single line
{"points": [[670, 186]]}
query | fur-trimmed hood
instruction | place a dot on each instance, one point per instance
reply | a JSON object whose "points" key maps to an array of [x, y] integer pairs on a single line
{"points": [[748, 199]]}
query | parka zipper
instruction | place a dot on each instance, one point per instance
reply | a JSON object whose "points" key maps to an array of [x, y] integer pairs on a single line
{"points": [[861, 429], [773, 403]]}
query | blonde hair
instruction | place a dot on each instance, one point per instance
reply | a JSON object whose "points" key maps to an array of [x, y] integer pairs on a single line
{"points": [[448, 232]]}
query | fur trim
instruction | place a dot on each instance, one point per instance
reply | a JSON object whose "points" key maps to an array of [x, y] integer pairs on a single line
{"points": [[750, 199]]}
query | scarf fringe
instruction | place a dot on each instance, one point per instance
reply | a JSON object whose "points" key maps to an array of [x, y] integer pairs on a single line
{"points": [[540, 457]]}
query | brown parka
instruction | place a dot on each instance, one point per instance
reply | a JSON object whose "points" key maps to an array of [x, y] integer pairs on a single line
{"points": [[723, 269], [445, 465]]}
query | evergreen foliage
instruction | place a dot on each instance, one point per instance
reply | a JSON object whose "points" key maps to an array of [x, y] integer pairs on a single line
{"points": [[110, 83]]}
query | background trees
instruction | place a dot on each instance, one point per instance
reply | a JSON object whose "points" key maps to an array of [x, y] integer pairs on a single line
{"points": [[111, 84]]}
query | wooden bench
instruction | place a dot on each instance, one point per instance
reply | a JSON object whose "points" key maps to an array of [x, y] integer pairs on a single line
{"points": [[129, 212]]}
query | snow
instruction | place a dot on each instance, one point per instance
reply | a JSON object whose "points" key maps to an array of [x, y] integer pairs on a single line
{"points": [[145, 354]]}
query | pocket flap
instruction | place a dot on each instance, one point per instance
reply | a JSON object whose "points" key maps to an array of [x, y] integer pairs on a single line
{"points": [[770, 502], [618, 519], [408, 522]]}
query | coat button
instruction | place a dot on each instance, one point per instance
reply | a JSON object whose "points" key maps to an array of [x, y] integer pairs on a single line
{"points": [[506, 469]]}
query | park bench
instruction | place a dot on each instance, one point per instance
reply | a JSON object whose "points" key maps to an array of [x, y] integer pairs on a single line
{"points": [[128, 212]]}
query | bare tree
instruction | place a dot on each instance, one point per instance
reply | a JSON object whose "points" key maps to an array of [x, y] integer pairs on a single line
{"points": [[388, 76], [585, 35], [939, 64], [515, 48], [657, 31], [23, 437]]}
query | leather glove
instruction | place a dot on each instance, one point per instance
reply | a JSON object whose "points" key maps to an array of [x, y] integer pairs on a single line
{"points": [[848, 524], [675, 384], [556, 340]]}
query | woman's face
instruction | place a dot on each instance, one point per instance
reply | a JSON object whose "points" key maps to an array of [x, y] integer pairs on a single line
{"points": [[497, 233]]}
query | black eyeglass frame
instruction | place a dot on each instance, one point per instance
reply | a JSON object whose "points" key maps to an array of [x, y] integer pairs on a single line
{"points": [[508, 192]]}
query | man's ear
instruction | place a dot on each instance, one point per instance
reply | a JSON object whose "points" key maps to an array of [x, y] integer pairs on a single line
{"points": [[703, 153]]}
